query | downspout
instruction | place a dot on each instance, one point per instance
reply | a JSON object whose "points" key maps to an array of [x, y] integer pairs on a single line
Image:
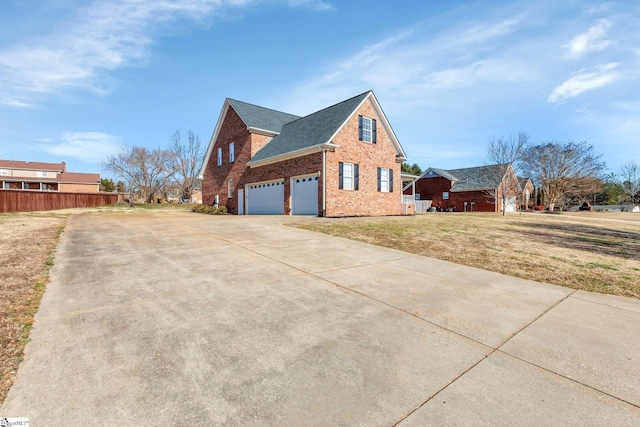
{"points": [[324, 182]]}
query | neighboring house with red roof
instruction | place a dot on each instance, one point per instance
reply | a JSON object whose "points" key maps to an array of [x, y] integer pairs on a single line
{"points": [[477, 189], [343, 160], [39, 176]]}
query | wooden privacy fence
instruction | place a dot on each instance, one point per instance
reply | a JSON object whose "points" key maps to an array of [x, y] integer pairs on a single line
{"points": [[29, 200]]}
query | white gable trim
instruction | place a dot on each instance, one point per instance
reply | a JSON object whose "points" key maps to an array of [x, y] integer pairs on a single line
{"points": [[262, 131], [214, 137], [394, 139]]}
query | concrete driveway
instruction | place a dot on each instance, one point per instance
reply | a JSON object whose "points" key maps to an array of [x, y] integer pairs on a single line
{"points": [[188, 319]]}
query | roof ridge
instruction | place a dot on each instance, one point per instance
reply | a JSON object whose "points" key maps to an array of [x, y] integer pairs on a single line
{"points": [[264, 108], [329, 107]]}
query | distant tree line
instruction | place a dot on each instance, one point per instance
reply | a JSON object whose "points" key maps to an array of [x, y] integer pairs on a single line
{"points": [[148, 173], [564, 173]]}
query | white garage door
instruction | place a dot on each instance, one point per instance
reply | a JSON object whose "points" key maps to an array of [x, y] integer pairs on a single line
{"points": [[511, 204], [265, 198], [304, 195]]}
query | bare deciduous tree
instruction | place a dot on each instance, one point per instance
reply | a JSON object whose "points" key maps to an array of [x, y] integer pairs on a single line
{"points": [[630, 181], [507, 151], [562, 167], [187, 160], [145, 171]]}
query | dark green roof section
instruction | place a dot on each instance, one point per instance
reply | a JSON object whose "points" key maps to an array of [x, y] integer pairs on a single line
{"points": [[311, 130], [478, 178], [261, 118]]}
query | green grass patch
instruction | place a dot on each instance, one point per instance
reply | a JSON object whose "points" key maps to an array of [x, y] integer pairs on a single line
{"points": [[592, 265], [599, 240]]}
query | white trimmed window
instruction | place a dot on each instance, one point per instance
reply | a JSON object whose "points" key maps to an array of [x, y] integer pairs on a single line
{"points": [[219, 156], [41, 174], [230, 188], [232, 153], [347, 176], [445, 195], [385, 180], [367, 129], [4, 172]]}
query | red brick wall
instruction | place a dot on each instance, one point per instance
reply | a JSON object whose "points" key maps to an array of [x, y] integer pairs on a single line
{"points": [[483, 201], [432, 189], [287, 169], [215, 179], [367, 201]]}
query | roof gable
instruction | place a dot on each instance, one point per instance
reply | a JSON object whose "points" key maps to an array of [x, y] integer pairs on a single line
{"points": [[433, 172], [315, 129], [258, 119], [523, 181], [318, 129]]}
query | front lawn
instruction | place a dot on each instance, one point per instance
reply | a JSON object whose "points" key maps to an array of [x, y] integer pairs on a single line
{"points": [[590, 252]]}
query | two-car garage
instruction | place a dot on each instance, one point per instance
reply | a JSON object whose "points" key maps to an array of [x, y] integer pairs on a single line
{"points": [[267, 198]]}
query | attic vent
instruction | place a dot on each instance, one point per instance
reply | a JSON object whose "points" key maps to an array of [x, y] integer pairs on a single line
{"points": [[430, 172]]}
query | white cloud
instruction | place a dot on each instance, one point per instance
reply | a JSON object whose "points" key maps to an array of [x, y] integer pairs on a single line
{"points": [[101, 37], [312, 4], [599, 8], [594, 40], [91, 147], [584, 81], [411, 64]]}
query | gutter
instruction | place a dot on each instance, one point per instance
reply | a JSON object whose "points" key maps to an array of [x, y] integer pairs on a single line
{"points": [[292, 154]]}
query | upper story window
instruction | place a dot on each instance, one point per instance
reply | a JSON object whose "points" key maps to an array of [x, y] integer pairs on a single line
{"points": [[348, 176], [219, 156], [385, 180], [4, 172], [41, 174], [367, 129], [445, 195], [232, 153]]}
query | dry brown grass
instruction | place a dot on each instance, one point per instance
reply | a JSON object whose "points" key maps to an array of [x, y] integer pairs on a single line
{"points": [[27, 243], [585, 251]]}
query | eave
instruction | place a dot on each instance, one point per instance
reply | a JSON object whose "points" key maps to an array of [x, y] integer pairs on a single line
{"points": [[292, 154]]}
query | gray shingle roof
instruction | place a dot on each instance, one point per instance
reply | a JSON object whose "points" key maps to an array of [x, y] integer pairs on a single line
{"points": [[440, 172], [314, 129], [523, 181], [260, 117], [476, 178]]}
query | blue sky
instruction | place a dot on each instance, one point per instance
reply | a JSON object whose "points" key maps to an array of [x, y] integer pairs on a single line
{"points": [[80, 79]]}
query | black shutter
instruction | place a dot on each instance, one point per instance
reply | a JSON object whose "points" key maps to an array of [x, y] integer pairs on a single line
{"points": [[340, 185], [391, 180], [379, 179], [355, 177], [373, 130], [360, 128]]}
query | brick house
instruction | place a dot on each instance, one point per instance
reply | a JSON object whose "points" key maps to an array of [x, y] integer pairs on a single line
{"points": [[477, 189], [39, 176], [526, 185], [343, 160]]}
